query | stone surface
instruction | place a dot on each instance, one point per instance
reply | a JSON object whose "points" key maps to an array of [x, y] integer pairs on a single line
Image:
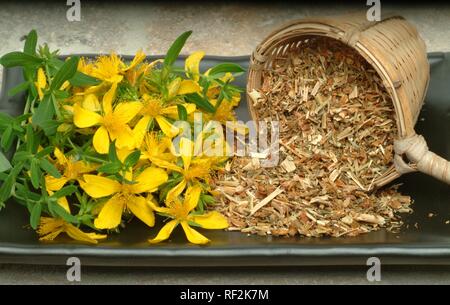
{"points": [[23, 274], [219, 29]]}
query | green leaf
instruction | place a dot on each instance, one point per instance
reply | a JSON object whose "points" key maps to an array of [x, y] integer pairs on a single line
{"points": [[208, 199], [19, 88], [65, 191], [7, 138], [30, 43], [35, 173], [44, 112], [49, 127], [47, 150], [31, 139], [7, 186], [225, 68], [35, 215], [112, 154], [24, 191], [66, 72], [61, 94], [55, 208], [21, 156], [175, 49], [15, 59], [182, 113], [81, 80], [4, 163], [5, 120], [201, 102], [110, 168], [49, 168], [132, 159]]}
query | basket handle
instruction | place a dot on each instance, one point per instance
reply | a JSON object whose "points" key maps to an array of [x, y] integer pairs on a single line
{"points": [[416, 150]]}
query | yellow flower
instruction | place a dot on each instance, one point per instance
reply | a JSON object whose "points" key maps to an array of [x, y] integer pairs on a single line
{"points": [[72, 170], [49, 228], [224, 113], [155, 147], [113, 123], [125, 196], [111, 68], [84, 66], [193, 170], [154, 109], [192, 65], [41, 83], [180, 87], [138, 58], [181, 212], [108, 68]]}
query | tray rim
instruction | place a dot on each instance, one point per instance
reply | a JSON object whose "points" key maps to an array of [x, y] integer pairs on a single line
{"points": [[254, 255]]}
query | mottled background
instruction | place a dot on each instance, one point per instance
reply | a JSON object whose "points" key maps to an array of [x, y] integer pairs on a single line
{"points": [[230, 28]]}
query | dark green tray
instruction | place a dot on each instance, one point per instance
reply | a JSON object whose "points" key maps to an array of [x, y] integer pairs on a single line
{"points": [[429, 244]]}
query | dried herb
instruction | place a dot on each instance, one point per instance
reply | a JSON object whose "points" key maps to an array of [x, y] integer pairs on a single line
{"points": [[337, 129]]}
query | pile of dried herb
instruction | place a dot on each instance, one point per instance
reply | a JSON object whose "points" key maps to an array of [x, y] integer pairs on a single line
{"points": [[337, 129]]}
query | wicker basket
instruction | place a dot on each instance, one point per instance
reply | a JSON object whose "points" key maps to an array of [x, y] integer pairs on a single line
{"points": [[398, 54]]}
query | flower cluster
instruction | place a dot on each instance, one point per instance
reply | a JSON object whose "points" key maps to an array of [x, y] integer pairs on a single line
{"points": [[100, 142]]}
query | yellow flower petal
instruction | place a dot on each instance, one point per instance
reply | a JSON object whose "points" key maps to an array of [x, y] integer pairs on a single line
{"points": [[83, 118], [96, 235], [101, 140], [124, 137], [149, 180], [91, 103], [122, 153], [138, 58], [165, 164], [211, 220], [192, 197], [167, 128], [142, 210], [65, 85], [140, 130], [176, 191], [60, 156], [41, 78], [41, 82], [186, 151], [173, 87], [97, 186], [188, 86], [51, 236], [64, 203], [49, 228], [190, 108], [54, 184], [108, 98], [77, 234], [154, 205], [84, 167], [192, 64], [93, 89], [172, 111], [165, 232], [193, 236], [111, 213], [125, 112]]}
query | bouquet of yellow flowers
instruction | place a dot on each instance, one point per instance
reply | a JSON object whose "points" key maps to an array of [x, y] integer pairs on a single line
{"points": [[101, 140]]}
